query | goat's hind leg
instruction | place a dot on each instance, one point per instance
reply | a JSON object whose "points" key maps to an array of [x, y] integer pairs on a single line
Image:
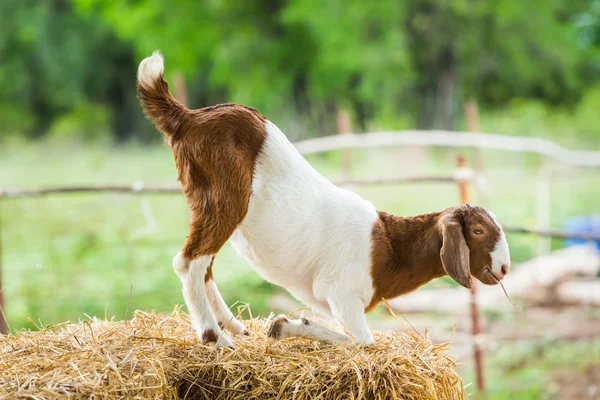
{"points": [[192, 274], [210, 227], [225, 317]]}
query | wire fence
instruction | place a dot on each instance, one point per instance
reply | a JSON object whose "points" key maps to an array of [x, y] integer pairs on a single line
{"points": [[142, 190]]}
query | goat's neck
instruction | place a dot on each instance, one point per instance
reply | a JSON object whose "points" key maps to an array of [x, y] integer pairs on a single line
{"points": [[406, 253]]}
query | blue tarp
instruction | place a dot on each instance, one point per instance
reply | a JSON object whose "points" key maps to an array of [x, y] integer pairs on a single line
{"points": [[589, 224]]}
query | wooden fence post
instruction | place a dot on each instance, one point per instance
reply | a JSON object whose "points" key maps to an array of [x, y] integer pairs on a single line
{"points": [[3, 321], [463, 186], [543, 209], [180, 90], [344, 127], [472, 123]]}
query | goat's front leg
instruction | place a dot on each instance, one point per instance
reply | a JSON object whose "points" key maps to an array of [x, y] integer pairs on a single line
{"points": [[349, 312]]}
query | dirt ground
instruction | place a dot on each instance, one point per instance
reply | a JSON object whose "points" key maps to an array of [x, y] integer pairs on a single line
{"points": [[577, 386]]}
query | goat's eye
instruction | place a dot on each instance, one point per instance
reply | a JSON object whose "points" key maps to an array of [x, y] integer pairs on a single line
{"points": [[478, 231]]}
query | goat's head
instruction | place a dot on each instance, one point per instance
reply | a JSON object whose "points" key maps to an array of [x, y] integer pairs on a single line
{"points": [[473, 245]]}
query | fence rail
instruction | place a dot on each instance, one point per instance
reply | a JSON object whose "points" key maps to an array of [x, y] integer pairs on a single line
{"points": [[140, 188], [452, 139], [552, 233]]}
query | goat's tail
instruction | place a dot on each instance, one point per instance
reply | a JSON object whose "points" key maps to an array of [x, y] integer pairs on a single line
{"points": [[158, 104]]}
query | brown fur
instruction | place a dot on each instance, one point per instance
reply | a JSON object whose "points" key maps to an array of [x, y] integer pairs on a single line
{"points": [[406, 250], [215, 149], [208, 276], [162, 109]]}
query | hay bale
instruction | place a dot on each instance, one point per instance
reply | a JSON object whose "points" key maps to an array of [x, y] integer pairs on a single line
{"points": [[157, 356]]}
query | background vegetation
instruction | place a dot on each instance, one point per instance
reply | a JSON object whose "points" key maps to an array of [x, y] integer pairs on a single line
{"points": [[68, 115], [68, 66]]}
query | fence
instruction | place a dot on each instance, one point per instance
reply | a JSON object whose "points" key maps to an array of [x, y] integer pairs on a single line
{"points": [[462, 177]]}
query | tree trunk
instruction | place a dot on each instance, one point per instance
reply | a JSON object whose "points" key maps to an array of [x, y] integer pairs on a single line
{"points": [[446, 82]]}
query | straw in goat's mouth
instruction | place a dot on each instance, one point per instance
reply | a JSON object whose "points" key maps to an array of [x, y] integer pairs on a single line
{"points": [[504, 289]]}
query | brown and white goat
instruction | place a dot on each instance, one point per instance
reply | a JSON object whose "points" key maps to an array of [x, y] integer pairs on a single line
{"points": [[245, 182]]}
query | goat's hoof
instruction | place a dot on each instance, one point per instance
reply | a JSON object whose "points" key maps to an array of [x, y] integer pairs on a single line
{"points": [[221, 340], [235, 327], [225, 343], [365, 342], [276, 328]]}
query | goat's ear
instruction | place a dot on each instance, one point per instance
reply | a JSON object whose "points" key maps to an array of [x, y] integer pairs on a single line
{"points": [[455, 252]]}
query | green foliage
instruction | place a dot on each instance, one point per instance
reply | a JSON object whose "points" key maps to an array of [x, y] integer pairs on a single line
{"points": [[390, 63], [16, 119], [53, 60], [85, 122], [575, 127]]}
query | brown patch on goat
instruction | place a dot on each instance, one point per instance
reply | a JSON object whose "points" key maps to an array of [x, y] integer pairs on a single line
{"points": [[209, 336], [215, 149], [405, 254], [405, 251]]}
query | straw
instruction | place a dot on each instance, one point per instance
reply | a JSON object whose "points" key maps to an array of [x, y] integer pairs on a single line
{"points": [[505, 292], [158, 356]]}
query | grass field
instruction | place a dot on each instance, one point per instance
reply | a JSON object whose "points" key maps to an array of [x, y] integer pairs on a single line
{"points": [[69, 255]]}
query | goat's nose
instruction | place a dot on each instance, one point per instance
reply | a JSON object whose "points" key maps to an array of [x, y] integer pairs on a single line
{"points": [[504, 268]]}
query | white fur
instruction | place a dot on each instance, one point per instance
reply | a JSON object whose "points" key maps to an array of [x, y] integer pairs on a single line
{"points": [[150, 68], [500, 255], [309, 236]]}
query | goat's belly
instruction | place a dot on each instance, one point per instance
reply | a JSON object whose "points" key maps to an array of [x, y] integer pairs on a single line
{"points": [[273, 259]]}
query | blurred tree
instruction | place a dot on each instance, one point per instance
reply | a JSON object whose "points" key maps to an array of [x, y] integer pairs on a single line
{"points": [[493, 51], [53, 61], [392, 62], [359, 59], [231, 51]]}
